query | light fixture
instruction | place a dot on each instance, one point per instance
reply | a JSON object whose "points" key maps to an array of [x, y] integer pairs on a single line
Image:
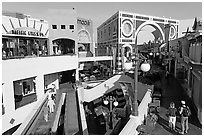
{"points": [[157, 53], [150, 53], [145, 66], [115, 103], [105, 102]]}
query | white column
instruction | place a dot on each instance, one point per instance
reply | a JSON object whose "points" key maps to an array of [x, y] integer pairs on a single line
{"points": [[50, 47], [8, 97], [39, 86], [77, 75]]}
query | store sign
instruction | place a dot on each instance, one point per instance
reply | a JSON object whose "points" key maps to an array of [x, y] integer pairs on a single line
{"points": [[83, 22], [26, 32]]}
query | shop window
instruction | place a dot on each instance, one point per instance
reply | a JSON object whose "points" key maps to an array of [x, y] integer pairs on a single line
{"points": [[71, 26], [109, 31], [63, 27], [101, 33], [24, 92], [98, 35], [54, 26], [21, 47]]}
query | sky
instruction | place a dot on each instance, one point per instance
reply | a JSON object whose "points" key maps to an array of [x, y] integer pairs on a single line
{"points": [[101, 11]]}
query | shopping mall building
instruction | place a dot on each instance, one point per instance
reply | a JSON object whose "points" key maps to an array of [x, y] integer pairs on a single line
{"points": [[39, 54], [32, 60]]}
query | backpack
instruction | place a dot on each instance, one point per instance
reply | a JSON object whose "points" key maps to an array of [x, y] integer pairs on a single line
{"points": [[186, 112]]}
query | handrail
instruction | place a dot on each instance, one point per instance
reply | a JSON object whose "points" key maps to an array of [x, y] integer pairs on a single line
{"points": [[30, 56], [28, 124], [135, 121], [58, 112]]}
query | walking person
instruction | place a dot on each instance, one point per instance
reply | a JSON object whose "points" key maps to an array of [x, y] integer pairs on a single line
{"points": [[46, 113], [172, 116], [185, 112], [51, 104]]}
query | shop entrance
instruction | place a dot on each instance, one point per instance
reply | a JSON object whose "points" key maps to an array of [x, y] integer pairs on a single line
{"points": [[21, 47], [67, 76], [63, 46]]}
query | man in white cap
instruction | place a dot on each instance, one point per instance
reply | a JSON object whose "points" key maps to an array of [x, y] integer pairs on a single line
{"points": [[185, 113]]}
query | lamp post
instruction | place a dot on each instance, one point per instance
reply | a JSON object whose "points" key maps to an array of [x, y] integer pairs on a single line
{"points": [[113, 102], [144, 67]]}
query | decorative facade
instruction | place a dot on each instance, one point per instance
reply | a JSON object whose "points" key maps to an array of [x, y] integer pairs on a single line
{"points": [[120, 31]]}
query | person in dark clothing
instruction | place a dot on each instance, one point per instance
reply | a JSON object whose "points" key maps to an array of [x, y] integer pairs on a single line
{"points": [[185, 112], [172, 116]]}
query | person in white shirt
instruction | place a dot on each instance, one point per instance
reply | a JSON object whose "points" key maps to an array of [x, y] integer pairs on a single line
{"points": [[51, 105]]}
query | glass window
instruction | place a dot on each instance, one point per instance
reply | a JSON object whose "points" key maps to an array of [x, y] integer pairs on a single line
{"points": [[54, 26], [71, 26], [24, 92], [98, 35], [63, 27], [109, 31], [101, 33]]}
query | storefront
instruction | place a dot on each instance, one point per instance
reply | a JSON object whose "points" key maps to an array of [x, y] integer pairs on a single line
{"points": [[24, 37], [24, 92]]}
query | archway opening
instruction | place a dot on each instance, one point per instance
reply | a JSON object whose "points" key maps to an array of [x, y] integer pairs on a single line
{"points": [[63, 46], [148, 39]]}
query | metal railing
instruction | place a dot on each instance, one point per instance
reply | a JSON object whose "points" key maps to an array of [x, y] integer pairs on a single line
{"points": [[23, 57], [28, 124], [57, 120]]}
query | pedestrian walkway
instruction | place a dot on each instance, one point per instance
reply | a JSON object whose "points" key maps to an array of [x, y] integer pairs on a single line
{"points": [[172, 91], [42, 127]]}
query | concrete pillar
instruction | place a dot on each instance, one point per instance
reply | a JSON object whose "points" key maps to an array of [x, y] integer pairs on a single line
{"points": [[8, 97], [39, 86], [77, 75]]}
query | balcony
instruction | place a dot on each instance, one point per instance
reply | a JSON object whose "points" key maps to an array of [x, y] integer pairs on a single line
{"points": [[19, 68]]}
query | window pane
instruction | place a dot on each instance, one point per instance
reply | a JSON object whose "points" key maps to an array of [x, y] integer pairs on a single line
{"points": [[54, 26], [71, 26], [62, 26]]}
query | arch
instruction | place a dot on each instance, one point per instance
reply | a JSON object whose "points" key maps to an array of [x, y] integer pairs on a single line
{"points": [[81, 47], [127, 45], [124, 58], [151, 23], [84, 33], [63, 45]]}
